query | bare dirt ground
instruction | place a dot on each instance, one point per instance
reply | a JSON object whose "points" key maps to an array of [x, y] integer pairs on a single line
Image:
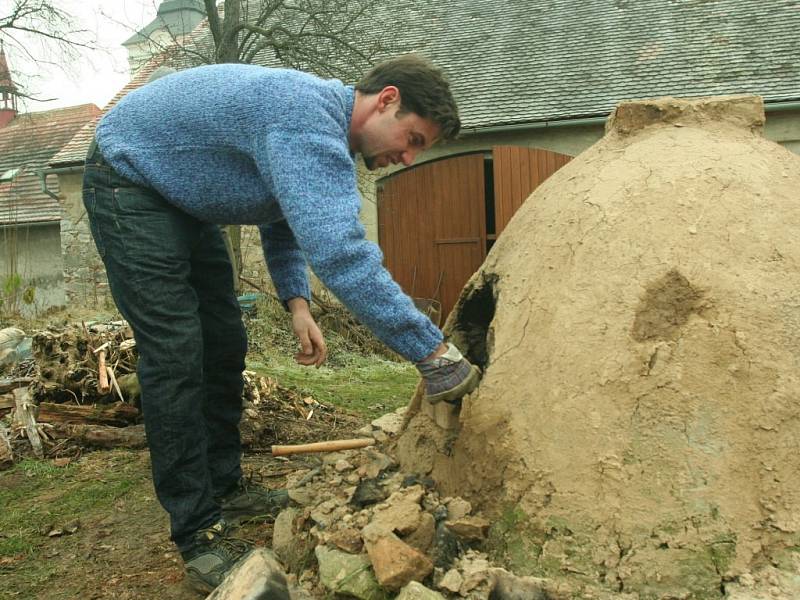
{"points": [[120, 548]]}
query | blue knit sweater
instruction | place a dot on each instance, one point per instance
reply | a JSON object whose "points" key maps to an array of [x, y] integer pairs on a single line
{"points": [[246, 144]]}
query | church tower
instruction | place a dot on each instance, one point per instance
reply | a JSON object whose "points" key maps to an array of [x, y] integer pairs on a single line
{"points": [[175, 20], [8, 91]]}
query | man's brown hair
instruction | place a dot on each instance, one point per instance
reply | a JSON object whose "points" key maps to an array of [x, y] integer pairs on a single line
{"points": [[424, 90]]}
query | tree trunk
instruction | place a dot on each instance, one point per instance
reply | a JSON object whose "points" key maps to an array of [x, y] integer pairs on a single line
{"points": [[228, 49], [232, 235]]}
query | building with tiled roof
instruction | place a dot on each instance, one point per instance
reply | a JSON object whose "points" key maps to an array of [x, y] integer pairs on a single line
{"points": [[85, 282], [535, 65], [30, 217], [543, 75], [27, 144]]}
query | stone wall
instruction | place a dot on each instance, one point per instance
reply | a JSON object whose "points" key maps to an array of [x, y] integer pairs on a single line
{"points": [[85, 283]]}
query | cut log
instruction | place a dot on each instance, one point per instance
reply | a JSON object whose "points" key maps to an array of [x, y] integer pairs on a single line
{"points": [[6, 453], [100, 436], [118, 414], [24, 416]]}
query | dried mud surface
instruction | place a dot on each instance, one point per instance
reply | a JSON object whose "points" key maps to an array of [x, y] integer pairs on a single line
{"points": [[640, 337]]}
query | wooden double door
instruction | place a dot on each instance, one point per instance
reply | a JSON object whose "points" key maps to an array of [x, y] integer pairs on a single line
{"points": [[438, 220]]}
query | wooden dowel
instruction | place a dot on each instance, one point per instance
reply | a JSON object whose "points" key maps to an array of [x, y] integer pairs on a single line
{"points": [[330, 446], [103, 386]]}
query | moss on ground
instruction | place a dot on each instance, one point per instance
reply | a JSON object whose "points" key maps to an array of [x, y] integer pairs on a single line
{"points": [[361, 375]]}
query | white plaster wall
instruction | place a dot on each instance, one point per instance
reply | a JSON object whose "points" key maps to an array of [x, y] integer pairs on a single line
{"points": [[36, 250]]}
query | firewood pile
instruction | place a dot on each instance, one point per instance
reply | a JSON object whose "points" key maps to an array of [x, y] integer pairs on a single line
{"points": [[84, 364], [79, 390]]}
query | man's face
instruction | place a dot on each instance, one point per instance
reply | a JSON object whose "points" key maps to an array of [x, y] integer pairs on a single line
{"points": [[391, 137]]}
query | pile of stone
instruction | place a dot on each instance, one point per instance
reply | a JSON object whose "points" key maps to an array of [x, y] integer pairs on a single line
{"points": [[360, 528]]}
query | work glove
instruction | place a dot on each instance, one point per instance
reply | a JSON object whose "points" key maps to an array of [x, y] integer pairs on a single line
{"points": [[448, 377]]}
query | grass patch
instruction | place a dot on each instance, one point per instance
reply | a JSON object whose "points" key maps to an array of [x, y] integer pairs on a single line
{"points": [[368, 385], [37, 495], [361, 375]]}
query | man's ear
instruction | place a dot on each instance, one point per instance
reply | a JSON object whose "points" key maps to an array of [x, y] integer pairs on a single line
{"points": [[388, 97]]}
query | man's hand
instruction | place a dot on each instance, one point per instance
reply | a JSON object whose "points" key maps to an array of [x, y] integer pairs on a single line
{"points": [[312, 343]]}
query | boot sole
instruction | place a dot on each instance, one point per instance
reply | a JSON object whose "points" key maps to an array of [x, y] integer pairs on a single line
{"points": [[462, 389]]}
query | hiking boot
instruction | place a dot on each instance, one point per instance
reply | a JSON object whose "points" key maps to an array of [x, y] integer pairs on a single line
{"points": [[448, 377], [212, 556], [249, 501]]}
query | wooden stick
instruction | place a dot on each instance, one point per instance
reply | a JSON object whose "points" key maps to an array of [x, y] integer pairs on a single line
{"points": [[7, 401], [103, 386], [330, 446], [6, 453], [24, 415], [113, 379], [8, 385], [101, 436]]}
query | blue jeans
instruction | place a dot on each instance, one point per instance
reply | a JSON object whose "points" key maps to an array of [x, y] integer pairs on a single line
{"points": [[171, 278]]}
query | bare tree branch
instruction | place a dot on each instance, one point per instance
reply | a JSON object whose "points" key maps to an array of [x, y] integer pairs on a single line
{"points": [[23, 22]]}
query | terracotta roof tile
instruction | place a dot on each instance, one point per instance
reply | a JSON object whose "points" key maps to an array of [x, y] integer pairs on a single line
{"points": [[26, 146]]}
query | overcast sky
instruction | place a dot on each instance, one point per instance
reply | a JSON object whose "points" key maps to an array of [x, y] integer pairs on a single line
{"points": [[97, 76]]}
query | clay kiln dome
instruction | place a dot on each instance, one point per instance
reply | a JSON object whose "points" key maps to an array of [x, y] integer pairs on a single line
{"points": [[638, 423]]}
